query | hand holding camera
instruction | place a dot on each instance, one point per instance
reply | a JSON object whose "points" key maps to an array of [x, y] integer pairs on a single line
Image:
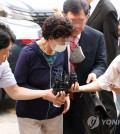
{"points": [[64, 82]]}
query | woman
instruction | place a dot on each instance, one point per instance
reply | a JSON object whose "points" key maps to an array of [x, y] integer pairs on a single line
{"points": [[37, 66]]}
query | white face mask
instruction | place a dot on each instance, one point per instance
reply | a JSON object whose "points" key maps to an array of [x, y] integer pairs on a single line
{"points": [[60, 45], [60, 48]]}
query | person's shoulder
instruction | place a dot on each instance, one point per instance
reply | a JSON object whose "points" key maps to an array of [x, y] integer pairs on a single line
{"points": [[116, 61], [30, 48], [4, 65], [107, 6], [118, 57], [91, 30]]}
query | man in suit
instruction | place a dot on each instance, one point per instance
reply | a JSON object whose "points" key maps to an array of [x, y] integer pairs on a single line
{"points": [[94, 65], [103, 17]]}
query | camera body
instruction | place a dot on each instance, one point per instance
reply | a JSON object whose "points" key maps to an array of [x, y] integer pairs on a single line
{"points": [[64, 82]]}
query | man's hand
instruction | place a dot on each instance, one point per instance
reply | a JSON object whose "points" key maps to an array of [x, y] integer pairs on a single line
{"points": [[58, 99], [57, 12], [91, 77]]}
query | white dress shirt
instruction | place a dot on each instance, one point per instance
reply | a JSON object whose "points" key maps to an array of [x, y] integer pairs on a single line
{"points": [[93, 5]]}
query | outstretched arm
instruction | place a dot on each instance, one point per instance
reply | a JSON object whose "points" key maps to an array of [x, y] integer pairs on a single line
{"points": [[91, 87], [21, 93]]}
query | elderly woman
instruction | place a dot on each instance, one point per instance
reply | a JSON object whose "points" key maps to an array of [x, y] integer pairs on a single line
{"points": [[37, 66]]}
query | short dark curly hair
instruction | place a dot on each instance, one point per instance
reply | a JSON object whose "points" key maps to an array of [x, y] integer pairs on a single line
{"points": [[56, 27], [6, 36]]}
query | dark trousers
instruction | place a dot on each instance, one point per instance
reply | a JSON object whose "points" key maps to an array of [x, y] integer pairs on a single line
{"points": [[106, 98], [117, 131], [71, 123], [75, 121]]}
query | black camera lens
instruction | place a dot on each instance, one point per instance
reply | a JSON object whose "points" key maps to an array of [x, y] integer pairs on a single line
{"points": [[64, 82]]}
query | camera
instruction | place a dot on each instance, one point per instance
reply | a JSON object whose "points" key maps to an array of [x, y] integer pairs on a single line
{"points": [[64, 82]]}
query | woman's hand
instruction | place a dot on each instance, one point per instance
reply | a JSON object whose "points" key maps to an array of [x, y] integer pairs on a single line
{"points": [[115, 88], [75, 87], [58, 99]]}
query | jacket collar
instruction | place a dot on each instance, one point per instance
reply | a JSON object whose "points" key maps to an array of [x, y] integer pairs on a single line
{"points": [[96, 11]]}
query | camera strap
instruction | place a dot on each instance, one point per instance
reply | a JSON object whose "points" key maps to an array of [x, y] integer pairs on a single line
{"points": [[72, 47]]}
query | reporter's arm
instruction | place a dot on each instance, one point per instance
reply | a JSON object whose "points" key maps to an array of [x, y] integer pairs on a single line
{"points": [[21, 93], [91, 87]]}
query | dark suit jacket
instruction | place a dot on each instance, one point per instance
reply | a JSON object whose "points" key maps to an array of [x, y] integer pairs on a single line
{"points": [[104, 19], [93, 46]]}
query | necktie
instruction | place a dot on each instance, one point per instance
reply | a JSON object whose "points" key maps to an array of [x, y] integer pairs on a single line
{"points": [[72, 46], [88, 12]]}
